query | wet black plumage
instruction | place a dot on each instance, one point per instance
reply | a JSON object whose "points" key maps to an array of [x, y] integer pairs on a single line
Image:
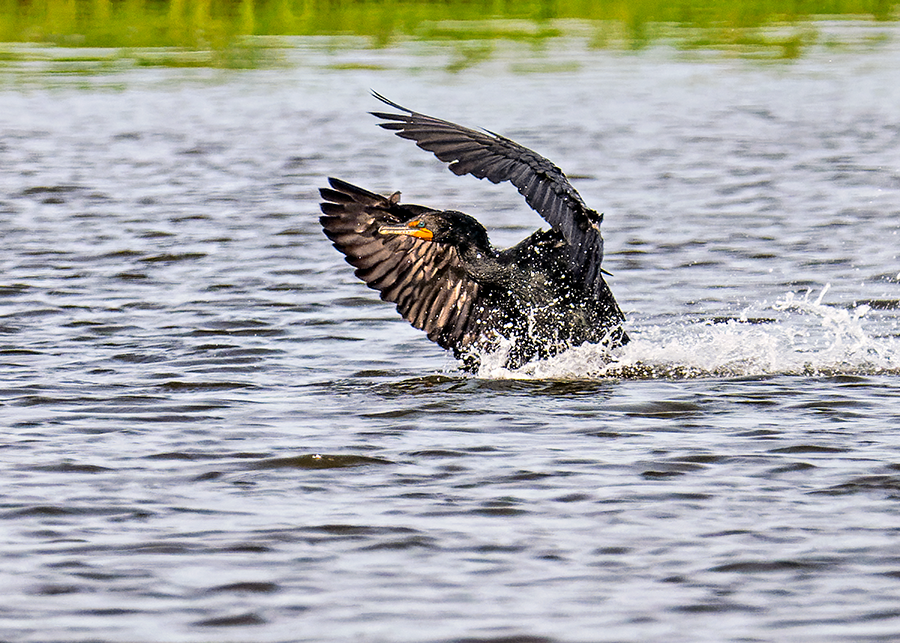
{"points": [[544, 295]]}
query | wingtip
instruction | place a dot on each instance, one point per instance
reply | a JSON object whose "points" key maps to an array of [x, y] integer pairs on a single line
{"points": [[387, 101], [402, 118]]}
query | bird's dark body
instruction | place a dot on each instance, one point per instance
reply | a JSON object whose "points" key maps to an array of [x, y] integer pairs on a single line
{"points": [[547, 310], [536, 299]]}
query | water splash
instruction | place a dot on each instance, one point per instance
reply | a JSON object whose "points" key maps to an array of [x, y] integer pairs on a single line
{"points": [[803, 337]]}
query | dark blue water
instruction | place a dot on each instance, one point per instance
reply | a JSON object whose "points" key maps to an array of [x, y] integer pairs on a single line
{"points": [[212, 431]]}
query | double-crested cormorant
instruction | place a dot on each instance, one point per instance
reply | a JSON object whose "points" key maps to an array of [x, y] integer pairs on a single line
{"points": [[536, 299]]}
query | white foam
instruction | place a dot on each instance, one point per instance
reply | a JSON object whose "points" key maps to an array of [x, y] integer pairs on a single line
{"points": [[802, 336]]}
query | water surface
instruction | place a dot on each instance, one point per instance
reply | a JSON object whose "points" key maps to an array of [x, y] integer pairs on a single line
{"points": [[213, 431]]}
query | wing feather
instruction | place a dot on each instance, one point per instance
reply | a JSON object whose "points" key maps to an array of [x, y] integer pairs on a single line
{"points": [[496, 158], [425, 280]]}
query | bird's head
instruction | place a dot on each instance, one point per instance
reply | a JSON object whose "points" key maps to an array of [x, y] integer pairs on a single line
{"points": [[450, 227]]}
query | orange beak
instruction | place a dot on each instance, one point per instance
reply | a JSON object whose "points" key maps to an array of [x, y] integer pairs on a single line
{"points": [[414, 228]]}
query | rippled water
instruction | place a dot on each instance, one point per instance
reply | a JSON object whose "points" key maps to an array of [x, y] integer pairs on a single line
{"points": [[212, 431]]}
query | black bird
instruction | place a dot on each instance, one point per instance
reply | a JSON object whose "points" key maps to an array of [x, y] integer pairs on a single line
{"points": [[534, 300]]}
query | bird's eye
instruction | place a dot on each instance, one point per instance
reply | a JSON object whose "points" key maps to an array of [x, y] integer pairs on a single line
{"points": [[420, 224]]}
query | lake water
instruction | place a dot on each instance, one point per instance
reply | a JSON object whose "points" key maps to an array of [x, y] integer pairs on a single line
{"points": [[213, 431]]}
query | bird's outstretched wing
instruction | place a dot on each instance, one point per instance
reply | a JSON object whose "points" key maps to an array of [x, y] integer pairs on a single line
{"points": [[426, 280], [496, 158]]}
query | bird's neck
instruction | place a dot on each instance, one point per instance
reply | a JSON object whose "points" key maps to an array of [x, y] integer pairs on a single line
{"points": [[482, 263]]}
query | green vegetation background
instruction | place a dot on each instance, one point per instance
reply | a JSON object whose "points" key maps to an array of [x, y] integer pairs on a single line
{"points": [[225, 25]]}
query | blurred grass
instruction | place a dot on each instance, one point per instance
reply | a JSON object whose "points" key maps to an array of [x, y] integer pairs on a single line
{"points": [[172, 32]]}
